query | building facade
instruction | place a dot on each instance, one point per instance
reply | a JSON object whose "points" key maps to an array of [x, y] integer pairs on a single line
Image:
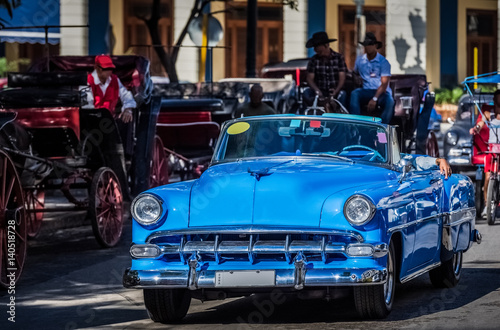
{"points": [[437, 37]]}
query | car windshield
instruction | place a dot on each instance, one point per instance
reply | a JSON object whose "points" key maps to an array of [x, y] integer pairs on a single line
{"points": [[304, 137]]}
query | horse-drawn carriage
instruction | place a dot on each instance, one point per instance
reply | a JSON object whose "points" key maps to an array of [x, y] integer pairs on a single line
{"points": [[413, 105], [48, 140]]}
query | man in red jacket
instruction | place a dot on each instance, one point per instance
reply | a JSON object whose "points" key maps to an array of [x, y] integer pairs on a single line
{"points": [[107, 89]]}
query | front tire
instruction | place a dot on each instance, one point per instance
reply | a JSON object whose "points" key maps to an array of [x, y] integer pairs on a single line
{"points": [[167, 305], [492, 201], [375, 301], [448, 274]]}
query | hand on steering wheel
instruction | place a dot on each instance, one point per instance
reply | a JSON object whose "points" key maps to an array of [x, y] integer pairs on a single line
{"points": [[359, 146]]}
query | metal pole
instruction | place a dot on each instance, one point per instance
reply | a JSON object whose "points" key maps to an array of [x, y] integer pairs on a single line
{"points": [[47, 52], [359, 29], [251, 38], [210, 76], [475, 66]]}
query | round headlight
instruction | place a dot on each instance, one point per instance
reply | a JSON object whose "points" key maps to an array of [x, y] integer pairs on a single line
{"points": [[358, 210], [146, 209], [452, 138]]}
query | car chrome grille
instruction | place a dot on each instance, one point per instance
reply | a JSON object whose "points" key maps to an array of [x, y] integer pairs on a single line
{"points": [[222, 248]]}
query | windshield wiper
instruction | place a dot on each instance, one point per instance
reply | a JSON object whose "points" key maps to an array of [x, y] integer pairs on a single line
{"points": [[264, 171], [330, 155]]}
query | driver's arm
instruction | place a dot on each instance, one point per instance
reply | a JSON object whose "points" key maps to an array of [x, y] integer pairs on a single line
{"points": [[312, 84], [477, 128], [383, 86], [426, 163]]}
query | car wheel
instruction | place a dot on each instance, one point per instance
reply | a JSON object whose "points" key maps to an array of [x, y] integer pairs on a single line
{"points": [[167, 305], [375, 301], [491, 201], [448, 274]]}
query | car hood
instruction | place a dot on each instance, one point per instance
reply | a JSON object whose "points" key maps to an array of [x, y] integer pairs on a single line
{"points": [[275, 192]]}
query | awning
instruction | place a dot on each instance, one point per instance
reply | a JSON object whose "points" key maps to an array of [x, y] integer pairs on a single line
{"points": [[32, 13], [486, 78]]}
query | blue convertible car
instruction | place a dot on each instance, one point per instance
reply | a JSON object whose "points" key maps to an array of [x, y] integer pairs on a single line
{"points": [[300, 204]]}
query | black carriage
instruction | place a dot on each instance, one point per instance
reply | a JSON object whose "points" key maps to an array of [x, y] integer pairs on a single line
{"points": [[48, 140]]}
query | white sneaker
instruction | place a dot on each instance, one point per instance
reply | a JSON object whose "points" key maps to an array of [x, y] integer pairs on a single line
{"points": [[483, 214]]}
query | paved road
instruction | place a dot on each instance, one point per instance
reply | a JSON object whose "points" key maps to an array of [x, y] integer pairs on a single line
{"points": [[69, 283]]}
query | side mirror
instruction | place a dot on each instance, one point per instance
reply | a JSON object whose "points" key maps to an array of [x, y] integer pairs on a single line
{"points": [[404, 166]]}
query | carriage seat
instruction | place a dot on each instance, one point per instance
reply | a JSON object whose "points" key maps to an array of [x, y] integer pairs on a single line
{"points": [[479, 141], [191, 134]]}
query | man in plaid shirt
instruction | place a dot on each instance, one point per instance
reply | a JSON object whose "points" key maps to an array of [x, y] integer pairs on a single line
{"points": [[326, 70]]}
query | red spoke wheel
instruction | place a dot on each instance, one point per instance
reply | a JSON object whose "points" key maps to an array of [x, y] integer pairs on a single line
{"points": [[106, 207], [35, 202], [159, 165], [13, 243]]}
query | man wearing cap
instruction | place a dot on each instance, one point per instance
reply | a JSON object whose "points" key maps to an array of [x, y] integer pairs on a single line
{"points": [[326, 70], [107, 89], [375, 71]]}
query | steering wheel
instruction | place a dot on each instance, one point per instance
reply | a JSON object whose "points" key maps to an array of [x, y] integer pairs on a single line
{"points": [[359, 146]]}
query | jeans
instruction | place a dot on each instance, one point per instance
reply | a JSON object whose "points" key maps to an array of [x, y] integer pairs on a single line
{"points": [[363, 96], [309, 94]]}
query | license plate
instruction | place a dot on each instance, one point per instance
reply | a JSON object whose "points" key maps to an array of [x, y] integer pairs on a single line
{"points": [[244, 278]]}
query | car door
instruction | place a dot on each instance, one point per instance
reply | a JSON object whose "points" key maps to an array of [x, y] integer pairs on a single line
{"points": [[427, 187]]}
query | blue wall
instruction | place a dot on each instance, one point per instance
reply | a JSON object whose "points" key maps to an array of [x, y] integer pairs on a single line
{"points": [[449, 48], [99, 24], [316, 12]]}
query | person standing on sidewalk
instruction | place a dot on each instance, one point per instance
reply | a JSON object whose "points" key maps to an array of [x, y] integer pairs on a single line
{"points": [[375, 71]]}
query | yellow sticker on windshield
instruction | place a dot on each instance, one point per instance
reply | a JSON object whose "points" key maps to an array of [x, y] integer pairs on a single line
{"points": [[238, 128]]}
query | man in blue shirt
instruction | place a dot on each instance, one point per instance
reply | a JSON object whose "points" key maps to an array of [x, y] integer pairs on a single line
{"points": [[375, 71]]}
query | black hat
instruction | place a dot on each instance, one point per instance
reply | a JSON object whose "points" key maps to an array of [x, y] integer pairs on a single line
{"points": [[319, 38], [370, 39]]}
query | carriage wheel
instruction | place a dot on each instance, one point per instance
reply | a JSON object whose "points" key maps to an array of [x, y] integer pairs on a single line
{"points": [[12, 223], [106, 207], [35, 201], [159, 165]]}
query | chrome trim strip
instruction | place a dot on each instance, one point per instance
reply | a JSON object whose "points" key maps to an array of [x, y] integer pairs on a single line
{"points": [[460, 216], [261, 247], [255, 230], [448, 215], [139, 279], [430, 217], [381, 250], [400, 227], [269, 247], [420, 272]]}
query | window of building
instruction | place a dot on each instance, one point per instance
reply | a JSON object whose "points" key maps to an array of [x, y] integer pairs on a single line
{"points": [[269, 36], [482, 34], [375, 22], [137, 38]]}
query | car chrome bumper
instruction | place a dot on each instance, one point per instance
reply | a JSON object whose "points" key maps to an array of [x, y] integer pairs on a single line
{"points": [[297, 278]]}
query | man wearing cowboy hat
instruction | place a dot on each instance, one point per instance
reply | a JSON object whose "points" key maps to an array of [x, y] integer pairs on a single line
{"points": [[375, 71], [325, 70]]}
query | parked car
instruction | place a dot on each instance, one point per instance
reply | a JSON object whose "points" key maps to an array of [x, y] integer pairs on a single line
{"points": [[458, 142], [303, 204]]}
